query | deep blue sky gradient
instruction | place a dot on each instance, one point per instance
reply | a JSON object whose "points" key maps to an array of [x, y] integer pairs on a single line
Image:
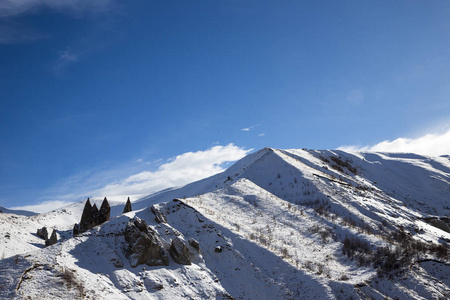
{"points": [[153, 79]]}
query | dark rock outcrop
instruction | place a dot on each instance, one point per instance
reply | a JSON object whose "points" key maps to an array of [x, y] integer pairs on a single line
{"points": [[52, 240], [92, 216], [194, 243], [87, 218], [127, 207], [94, 210], [441, 223], [180, 251], [144, 245], [104, 213], [160, 217], [43, 233], [117, 263], [76, 229], [140, 224]]}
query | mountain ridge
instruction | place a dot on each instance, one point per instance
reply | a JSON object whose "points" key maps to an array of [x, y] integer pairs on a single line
{"points": [[287, 224]]}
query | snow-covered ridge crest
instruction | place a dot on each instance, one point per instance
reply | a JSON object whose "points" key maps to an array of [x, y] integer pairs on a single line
{"points": [[289, 224]]}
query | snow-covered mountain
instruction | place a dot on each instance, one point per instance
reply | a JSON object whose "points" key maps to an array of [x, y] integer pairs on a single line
{"points": [[278, 224]]}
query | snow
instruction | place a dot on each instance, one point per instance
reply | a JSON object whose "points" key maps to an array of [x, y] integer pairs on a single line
{"points": [[16, 212], [280, 218]]}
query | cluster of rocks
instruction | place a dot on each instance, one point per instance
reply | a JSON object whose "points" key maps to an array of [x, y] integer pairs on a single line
{"points": [[92, 216], [146, 247], [180, 251], [43, 233]]}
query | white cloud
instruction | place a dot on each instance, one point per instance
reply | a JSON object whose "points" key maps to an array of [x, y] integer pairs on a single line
{"points": [[250, 128], [9, 8], [68, 56], [430, 144], [42, 207], [111, 183], [178, 171], [261, 134]]}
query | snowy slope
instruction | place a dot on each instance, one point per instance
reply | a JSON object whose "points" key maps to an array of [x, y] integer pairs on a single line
{"points": [[291, 224], [16, 212]]}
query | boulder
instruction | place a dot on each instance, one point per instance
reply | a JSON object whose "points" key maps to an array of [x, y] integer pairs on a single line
{"points": [[140, 224], [52, 240], [117, 263], [144, 245], [180, 251], [43, 233], [160, 217], [194, 243]]}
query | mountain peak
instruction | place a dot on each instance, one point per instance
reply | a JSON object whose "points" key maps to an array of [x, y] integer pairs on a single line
{"points": [[293, 223]]}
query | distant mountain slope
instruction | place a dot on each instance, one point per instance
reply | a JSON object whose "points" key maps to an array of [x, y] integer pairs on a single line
{"points": [[278, 224], [16, 212]]}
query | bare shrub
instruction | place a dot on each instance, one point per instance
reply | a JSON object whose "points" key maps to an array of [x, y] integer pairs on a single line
{"points": [[440, 250], [355, 248], [341, 163], [69, 278]]}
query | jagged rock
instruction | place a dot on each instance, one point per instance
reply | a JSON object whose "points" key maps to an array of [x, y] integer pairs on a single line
{"points": [[87, 218], [104, 212], [127, 207], [92, 216], [140, 224], [94, 210], [43, 233], [194, 243], [218, 249], [159, 216], [52, 240], [180, 251], [144, 245], [76, 229]]}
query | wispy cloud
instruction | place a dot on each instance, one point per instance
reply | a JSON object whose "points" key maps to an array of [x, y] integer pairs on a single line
{"points": [[178, 171], [430, 144], [131, 180], [64, 58], [250, 128], [10, 8], [68, 56], [12, 31]]}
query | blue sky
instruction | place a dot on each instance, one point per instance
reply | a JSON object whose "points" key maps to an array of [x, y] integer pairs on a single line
{"points": [[94, 94]]}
